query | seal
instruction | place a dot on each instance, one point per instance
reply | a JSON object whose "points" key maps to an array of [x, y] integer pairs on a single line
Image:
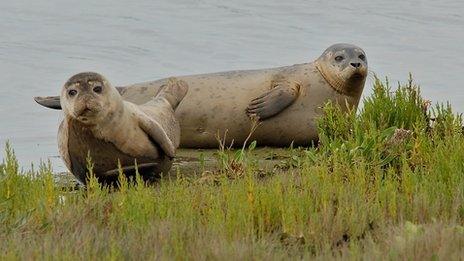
{"points": [[99, 125], [286, 100]]}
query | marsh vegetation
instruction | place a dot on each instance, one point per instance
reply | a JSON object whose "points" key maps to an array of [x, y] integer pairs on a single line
{"points": [[386, 182]]}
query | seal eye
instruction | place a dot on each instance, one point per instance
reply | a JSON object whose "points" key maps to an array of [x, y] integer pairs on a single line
{"points": [[362, 57], [339, 58], [97, 89], [72, 93]]}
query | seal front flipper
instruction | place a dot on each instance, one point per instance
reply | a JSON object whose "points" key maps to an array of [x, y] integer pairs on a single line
{"points": [[155, 131], [173, 91], [166, 133], [63, 139], [274, 101], [52, 102]]}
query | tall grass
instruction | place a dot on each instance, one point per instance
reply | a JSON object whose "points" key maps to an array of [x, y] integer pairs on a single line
{"points": [[384, 183]]}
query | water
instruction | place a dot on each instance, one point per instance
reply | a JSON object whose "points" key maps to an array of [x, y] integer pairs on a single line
{"points": [[44, 42]]}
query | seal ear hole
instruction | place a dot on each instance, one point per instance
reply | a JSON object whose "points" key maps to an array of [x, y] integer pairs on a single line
{"points": [[72, 93], [339, 58], [97, 89], [362, 57]]}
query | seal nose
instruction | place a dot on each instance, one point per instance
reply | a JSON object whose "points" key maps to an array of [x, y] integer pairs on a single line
{"points": [[83, 110], [356, 65]]}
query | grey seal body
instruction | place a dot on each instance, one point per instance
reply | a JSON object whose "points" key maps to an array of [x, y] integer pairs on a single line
{"points": [[99, 125], [286, 100]]}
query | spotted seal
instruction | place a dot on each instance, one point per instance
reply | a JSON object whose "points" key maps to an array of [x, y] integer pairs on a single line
{"points": [[99, 125]]}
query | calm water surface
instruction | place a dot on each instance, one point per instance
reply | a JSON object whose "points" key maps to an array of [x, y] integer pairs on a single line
{"points": [[44, 42]]}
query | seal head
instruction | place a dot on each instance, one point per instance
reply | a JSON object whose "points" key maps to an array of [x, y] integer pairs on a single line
{"points": [[344, 67], [90, 99]]}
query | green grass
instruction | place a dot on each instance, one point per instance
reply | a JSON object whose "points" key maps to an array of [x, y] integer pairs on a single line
{"points": [[384, 183]]}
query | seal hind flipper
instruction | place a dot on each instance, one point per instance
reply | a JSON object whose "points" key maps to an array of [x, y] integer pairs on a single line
{"points": [[155, 131], [52, 102], [274, 101]]}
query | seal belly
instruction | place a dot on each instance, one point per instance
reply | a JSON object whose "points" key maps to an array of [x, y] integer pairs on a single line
{"points": [[104, 155]]}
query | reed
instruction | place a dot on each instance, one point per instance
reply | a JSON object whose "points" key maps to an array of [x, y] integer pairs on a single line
{"points": [[386, 182]]}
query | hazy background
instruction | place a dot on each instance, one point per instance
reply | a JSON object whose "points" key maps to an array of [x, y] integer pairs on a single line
{"points": [[44, 42]]}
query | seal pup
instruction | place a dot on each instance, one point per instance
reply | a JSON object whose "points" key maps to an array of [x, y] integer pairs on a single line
{"points": [[98, 124], [287, 100]]}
